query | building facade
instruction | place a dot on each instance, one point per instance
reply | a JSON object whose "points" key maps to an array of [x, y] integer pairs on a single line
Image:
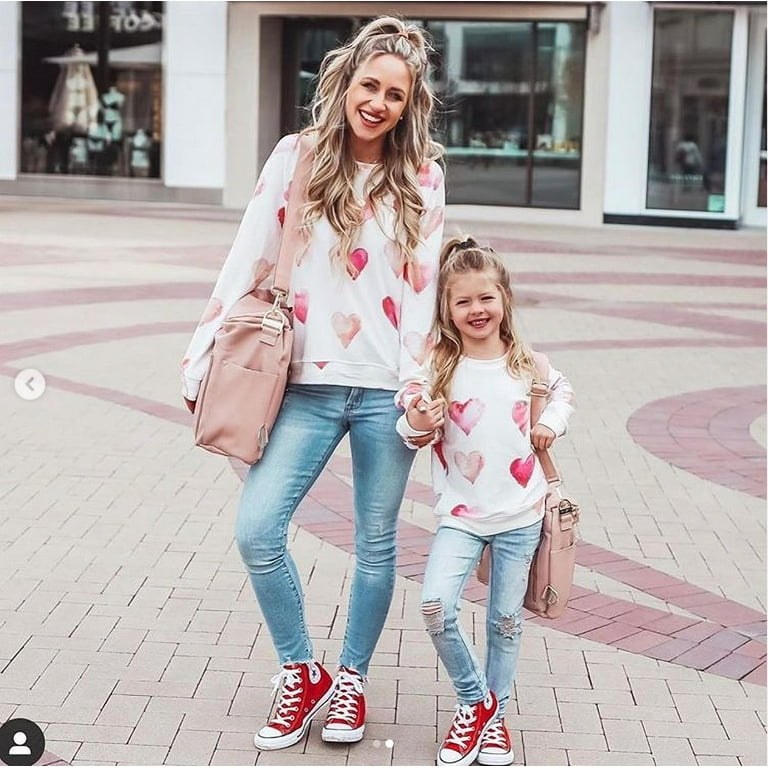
{"points": [[569, 113]]}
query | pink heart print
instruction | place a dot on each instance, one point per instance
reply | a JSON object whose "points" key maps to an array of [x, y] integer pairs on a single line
{"points": [[522, 470], [357, 261], [391, 310], [429, 176], [438, 449], [418, 345], [394, 257], [212, 311], [520, 415], [431, 221], [287, 192], [462, 510], [321, 364], [466, 415], [346, 327], [470, 465], [262, 269], [418, 276], [301, 306], [281, 215]]}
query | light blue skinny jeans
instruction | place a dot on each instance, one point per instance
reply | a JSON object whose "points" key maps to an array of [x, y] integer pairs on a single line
{"points": [[452, 560], [312, 422]]}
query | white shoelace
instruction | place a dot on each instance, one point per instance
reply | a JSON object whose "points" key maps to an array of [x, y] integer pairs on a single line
{"points": [[461, 727], [289, 680], [494, 736], [345, 698]]}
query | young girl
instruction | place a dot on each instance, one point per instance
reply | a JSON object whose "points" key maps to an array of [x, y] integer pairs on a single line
{"points": [[363, 295], [489, 484]]}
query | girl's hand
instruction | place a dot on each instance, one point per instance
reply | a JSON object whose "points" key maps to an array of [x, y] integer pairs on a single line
{"points": [[542, 437], [190, 404], [420, 442], [425, 416]]}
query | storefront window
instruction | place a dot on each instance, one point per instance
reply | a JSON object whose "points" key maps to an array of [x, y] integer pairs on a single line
{"points": [[512, 94], [91, 88], [557, 114], [689, 110]]}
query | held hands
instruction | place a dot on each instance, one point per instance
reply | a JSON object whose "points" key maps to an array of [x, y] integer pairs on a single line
{"points": [[542, 437], [426, 416]]}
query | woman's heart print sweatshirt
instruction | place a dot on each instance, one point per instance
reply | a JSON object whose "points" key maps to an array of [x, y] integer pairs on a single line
{"points": [[368, 329]]}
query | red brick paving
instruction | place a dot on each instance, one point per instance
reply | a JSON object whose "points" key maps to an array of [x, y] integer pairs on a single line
{"points": [[703, 432]]}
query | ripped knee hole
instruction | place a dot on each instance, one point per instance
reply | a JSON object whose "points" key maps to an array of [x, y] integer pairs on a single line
{"points": [[508, 626], [434, 615]]}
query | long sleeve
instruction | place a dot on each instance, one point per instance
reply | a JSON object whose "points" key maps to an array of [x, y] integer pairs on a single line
{"points": [[560, 405], [419, 294], [250, 261]]}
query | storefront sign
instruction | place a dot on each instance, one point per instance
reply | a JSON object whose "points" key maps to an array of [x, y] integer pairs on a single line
{"points": [[121, 22]]}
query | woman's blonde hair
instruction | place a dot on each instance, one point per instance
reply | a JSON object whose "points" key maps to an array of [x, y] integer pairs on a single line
{"points": [[330, 190], [459, 256]]}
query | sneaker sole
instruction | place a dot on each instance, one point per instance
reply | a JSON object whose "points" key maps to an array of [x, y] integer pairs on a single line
{"points": [[343, 735], [507, 759], [281, 742], [470, 757]]}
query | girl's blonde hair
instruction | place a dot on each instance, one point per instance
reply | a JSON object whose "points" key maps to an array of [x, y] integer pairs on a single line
{"points": [[459, 256], [330, 190]]}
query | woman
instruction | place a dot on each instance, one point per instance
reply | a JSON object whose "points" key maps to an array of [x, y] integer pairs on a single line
{"points": [[363, 292]]}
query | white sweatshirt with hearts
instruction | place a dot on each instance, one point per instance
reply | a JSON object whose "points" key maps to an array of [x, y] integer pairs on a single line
{"points": [[368, 330], [484, 471]]}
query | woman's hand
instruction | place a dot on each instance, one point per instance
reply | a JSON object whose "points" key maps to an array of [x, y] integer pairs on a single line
{"points": [[542, 437], [425, 415], [190, 404]]}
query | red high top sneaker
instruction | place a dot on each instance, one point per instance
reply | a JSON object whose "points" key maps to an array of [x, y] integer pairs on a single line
{"points": [[346, 714], [496, 745], [304, 688], [470, 723]]}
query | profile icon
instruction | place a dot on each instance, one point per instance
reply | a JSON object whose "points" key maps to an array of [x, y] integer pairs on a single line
{"points": [[21, 742]]}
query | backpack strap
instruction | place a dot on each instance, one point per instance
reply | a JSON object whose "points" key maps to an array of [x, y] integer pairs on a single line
{"points": [[290, 242], [539, 395]]}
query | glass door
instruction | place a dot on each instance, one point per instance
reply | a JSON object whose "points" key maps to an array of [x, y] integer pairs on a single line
{"points": [[754, 164]]}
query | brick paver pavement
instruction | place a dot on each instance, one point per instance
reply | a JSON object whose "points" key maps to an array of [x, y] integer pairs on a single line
{"points": [[127, 627]]}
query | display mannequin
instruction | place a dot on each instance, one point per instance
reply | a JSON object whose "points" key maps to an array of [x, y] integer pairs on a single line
{"points": [[140, 146], [98, 142], [112, 102]]}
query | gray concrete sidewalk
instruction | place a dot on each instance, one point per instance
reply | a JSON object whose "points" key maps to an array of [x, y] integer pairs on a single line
{"points": [[128, 630]]}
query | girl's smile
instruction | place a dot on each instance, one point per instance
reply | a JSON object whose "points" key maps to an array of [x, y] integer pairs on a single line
{"points": [[476, 308]]}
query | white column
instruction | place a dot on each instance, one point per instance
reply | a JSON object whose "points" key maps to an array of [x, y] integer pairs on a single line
{"points": [[194, 62], [630, 26], [10, 57]]}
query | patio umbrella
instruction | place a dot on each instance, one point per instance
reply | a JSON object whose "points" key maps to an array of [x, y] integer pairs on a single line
{"points": [[75, 101]]}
